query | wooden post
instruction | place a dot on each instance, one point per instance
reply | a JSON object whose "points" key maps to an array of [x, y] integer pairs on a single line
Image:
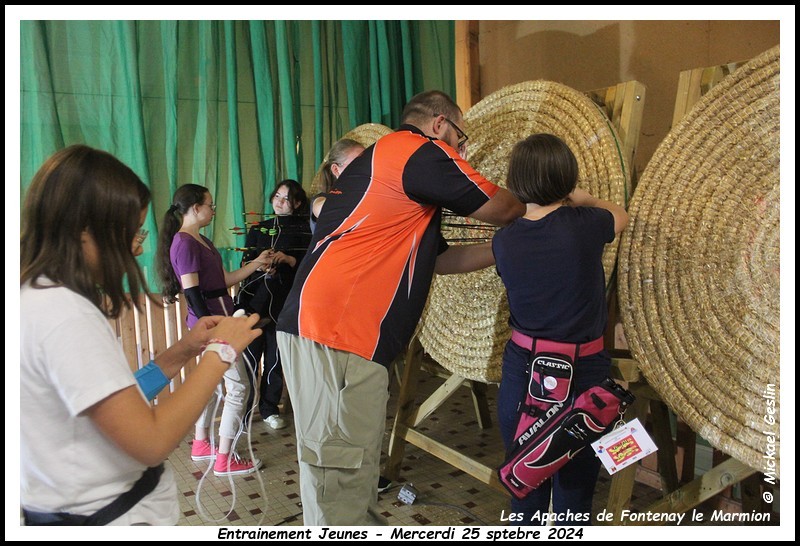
{"points": [[405, 409], [480, 403], [623, 104], [686, 439], [468, 85], [127, 335], [694, 83], [619, 496], [662, 431]]}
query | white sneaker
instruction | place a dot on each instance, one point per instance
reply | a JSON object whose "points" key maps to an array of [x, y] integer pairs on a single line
{"points": [[276, 422]]}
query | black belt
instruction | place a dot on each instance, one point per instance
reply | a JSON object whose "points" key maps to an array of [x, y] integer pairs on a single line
{"points": [[107, 514]]}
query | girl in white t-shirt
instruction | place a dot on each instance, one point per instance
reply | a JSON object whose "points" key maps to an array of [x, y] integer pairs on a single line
{"points": [[88, 433]]}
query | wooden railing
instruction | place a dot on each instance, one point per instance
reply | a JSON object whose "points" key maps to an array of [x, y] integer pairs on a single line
{"points": [[146, 333]]}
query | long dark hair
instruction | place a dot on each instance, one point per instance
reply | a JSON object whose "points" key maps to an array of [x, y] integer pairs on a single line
{"points": [[542, 170], [83, 189], [296, 195], [184, 199]]}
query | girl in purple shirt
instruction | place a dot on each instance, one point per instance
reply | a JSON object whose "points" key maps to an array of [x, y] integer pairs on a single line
{"points": [[188, 262]]}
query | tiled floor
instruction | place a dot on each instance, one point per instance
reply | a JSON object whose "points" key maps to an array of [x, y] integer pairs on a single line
{"points": [[446, 496]]}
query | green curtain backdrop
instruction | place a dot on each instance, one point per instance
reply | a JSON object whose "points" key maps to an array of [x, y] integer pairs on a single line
{"points": [[232, 105]]}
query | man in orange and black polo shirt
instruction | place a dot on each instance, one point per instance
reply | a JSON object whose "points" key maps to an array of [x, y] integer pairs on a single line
{"points": [[359, 293]]}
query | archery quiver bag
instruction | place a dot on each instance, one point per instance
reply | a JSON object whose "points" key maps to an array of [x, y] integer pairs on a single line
{"points": [[559, 433]]}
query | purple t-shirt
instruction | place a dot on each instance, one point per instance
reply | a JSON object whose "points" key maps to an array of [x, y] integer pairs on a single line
{"points": [[189, 256]]}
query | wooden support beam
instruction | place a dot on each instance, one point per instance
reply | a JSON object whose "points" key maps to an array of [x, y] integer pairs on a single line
{"points": [[751, 494], [625, 369], [480, 403], [396, 371], [686, 439], [477, 390], [481, 472], [405, 409], [623, 104], [142, 336], [127, 335], [644, 391], [467, 59], [694, 83], [703, 488], [158, 336], [662, 435], [435, 400], [619, 495]]}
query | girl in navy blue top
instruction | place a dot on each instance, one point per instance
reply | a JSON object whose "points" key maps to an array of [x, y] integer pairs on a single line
{"points": [[550, 261], [286, 235]]}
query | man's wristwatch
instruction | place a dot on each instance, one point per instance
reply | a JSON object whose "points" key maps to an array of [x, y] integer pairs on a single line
{"points": [[223, 349]]}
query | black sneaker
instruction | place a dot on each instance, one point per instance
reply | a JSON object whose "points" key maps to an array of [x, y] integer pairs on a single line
{"points": [[383, 484]]}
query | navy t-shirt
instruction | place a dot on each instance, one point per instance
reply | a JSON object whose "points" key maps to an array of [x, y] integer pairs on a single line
{"points": [[553, 273]]}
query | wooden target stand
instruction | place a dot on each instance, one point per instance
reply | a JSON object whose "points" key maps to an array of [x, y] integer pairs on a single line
{"points": [[623, 105], [692, 85], [680, 498]]}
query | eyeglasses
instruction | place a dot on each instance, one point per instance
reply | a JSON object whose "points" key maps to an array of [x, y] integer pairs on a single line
{"points": [[212, 206], [141, 235], [462, 136]]}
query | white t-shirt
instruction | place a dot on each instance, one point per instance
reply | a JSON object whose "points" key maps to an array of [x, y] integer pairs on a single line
{"points": [[70, 360]]}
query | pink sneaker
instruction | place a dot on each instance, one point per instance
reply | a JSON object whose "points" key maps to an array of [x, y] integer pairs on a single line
{"points": [[237, 465], [201, 450]]}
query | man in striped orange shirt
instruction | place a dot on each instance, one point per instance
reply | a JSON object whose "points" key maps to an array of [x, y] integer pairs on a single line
{"points": [[360, 291]]}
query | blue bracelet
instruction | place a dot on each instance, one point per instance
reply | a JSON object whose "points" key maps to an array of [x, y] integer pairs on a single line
{"points": [[151, 380]]}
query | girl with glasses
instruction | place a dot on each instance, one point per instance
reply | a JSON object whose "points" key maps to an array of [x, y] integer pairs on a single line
{"points": [[89, 438], [189, 263]]}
